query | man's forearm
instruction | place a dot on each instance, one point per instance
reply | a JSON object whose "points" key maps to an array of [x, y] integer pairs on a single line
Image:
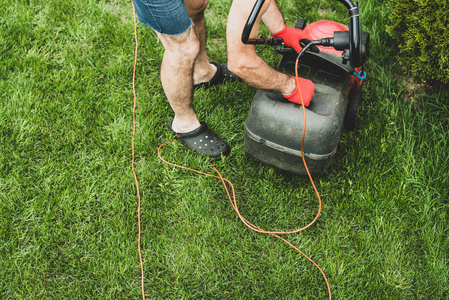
{"points": [[242, 59]]}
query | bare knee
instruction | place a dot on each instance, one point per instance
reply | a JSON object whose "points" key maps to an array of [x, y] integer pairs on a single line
{"points": [[182, 49], [196, 8]]}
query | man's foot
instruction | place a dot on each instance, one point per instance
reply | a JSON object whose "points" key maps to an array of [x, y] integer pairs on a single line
{"points": [[204, 141], [223, 74]]}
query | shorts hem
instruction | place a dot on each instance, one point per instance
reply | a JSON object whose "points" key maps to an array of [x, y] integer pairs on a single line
{"points": [[169, 34]]}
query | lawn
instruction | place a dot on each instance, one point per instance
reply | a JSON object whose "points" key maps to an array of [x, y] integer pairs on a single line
{"points": [[68, 203]]}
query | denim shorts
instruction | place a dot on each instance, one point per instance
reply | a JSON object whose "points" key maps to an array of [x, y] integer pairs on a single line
{"points": [[164, 16]]}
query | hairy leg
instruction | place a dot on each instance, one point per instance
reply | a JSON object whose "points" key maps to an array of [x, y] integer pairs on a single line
{"points": [[177, 67], [203, 70]]}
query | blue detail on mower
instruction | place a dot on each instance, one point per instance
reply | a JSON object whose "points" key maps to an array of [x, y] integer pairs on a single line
{"points": [[274, 126]]}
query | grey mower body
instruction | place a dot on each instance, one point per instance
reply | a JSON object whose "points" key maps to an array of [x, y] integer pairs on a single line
{"points": [[274, 126]]}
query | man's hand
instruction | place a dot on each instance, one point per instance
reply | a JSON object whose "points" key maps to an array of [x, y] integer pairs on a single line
{"points": [[307, 91], [291, 37]]}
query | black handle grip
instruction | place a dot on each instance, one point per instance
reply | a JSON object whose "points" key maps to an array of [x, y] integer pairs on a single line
{"points": [[250, 22], [355, 37]]}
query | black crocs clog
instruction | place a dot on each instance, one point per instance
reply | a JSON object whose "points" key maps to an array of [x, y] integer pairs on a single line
{"points": [[203, 141]]}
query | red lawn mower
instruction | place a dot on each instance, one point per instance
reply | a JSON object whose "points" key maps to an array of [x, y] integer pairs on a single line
{"points": [[332, 56]]}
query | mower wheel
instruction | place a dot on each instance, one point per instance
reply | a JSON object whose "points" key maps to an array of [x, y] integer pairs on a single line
{"points": [[300, 24], [354, 99]]}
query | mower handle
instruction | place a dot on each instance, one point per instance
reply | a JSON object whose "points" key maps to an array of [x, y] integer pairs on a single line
{"points": [[355, 31], [250, 23]]}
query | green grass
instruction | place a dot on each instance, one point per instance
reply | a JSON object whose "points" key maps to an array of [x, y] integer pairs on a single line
{"points": [[68, 207]]}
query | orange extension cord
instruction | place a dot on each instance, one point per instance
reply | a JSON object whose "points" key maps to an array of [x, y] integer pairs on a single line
{"points": [[142, 274], [225, 181]]}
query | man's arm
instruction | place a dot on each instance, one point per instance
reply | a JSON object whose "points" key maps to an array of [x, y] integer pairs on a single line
{"points": [[242, 59]]}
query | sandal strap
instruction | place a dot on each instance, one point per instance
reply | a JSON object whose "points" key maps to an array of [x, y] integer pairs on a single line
{"points": [[227, 74]]}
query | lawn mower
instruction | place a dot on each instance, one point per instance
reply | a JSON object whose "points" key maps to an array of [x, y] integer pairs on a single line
{"points": [[332, 57]]}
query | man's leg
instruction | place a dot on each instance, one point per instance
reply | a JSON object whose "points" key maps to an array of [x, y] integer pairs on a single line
{"points": [[173, 25], [180, 55], [203, 70]]}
